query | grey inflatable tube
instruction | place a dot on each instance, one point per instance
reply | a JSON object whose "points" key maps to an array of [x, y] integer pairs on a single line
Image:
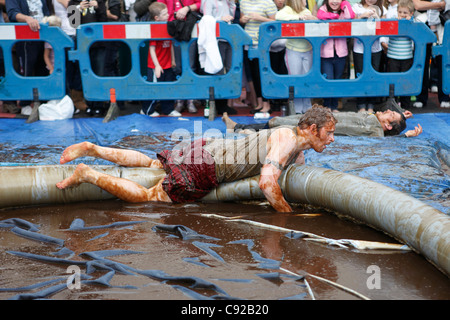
{"points": [[409, 220], [32, 185]]}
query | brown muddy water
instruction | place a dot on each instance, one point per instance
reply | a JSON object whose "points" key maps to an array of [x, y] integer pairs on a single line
{"points": [[243, 261]]}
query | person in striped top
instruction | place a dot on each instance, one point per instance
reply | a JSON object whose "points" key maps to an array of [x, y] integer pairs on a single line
{"points": [[400, 51], [253, 14]]}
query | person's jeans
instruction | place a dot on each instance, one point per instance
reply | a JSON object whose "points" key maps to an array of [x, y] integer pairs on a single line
{"points": [[358, 61], [166, 106], [332, 68], [299, 63]]}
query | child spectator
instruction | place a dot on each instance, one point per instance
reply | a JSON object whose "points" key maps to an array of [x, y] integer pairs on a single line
{"points": [[298, 56], [160, 62], [391, 11], [400, 51], [334, 51], [367, 9], [49, 54]]}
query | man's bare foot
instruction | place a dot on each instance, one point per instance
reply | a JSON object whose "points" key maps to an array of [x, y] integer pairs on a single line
{"points": [[75, 179], [75, 151], [228, 122]]}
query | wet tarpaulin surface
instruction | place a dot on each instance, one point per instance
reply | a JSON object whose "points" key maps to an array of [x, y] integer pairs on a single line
{"points": [[160, 251]]}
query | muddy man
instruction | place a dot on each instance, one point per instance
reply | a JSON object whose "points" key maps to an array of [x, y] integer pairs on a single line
{"points": [[199, 166]]}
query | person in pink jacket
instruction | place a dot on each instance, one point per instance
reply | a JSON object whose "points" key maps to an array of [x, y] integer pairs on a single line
{"points": [[334, 51]]}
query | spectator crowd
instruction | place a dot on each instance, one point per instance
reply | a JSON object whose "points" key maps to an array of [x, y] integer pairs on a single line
{"points": [[161, 61]]}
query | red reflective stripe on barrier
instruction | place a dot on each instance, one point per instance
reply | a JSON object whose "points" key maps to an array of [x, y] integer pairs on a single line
{"points": [[340, 29], [25, 33], [385, 28], [293, 30], [159, 31], [195, 31], [114, 31]]}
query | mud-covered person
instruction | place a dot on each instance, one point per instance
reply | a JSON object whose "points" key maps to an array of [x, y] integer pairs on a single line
{"points": [[194, 171]]}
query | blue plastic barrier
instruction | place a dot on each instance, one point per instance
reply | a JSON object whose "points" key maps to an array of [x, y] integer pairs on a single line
{"points": [[14, 86], [444, 51], [134, 86], [315, 85]]}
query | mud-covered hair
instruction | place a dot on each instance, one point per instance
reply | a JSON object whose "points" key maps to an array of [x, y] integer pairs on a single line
{"points": [[318, 115]]}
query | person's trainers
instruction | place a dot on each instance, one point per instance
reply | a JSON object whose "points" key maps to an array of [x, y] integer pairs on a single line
{"points": [[445, 104], [434, 89], [174, 113], [179, 105], [417, 104], [154, 114], [191, 107], [26, 111]]}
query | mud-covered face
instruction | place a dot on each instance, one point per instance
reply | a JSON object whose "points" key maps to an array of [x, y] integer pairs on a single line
{"points": [[322, 137]]}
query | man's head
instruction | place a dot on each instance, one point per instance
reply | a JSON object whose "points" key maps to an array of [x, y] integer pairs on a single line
{"points": [[158, 11], [320, 122], [393, 122]]}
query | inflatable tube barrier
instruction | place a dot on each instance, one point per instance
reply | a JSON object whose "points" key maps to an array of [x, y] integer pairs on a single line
{"points": [[409, 220], [32, 185]]}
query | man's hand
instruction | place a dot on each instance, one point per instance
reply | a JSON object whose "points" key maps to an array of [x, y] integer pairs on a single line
{"points": [[158, 71], [182, 13], [414, 133], [33, 23], [408, 114]]}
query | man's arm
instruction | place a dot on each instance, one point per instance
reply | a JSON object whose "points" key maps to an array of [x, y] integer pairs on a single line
{"points": [[426, 5], [32, 23], [281, 144]]}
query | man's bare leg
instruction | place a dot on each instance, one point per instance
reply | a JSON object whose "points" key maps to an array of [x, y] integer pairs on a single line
{"points": [[123, 189], [123, 157]]}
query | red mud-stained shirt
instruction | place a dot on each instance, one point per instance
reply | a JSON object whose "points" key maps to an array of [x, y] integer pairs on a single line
{"points": [[163, 53]]}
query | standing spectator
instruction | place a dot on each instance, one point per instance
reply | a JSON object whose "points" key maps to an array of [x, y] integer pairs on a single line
{"points": [[160, 62], [253, 13], [29, 53], [391, 13], [115, 9], [73, 77], [222, 11], [49, 54], [334, 51], [400, 51], [2, 62], [278, 48], [298, 56], [179, 9], [94, 11], [422, 98], [140, 7], [367, 9]]}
